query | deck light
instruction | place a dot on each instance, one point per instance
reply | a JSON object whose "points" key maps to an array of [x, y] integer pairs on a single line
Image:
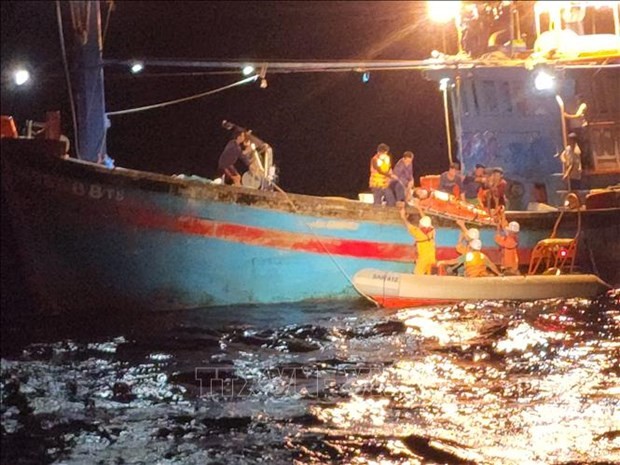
{"points": [[21, 76], [544, 81], [365, 77], [136, 67], [443, 12], [247, 70]]}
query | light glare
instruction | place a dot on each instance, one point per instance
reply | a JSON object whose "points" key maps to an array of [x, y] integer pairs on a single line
{"points": [[247, 70], [21, 77], [544, 81], [442, 12], [137, 67]]}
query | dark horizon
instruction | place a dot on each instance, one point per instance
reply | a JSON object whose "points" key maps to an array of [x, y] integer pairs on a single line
{"points": [[323, 127]]}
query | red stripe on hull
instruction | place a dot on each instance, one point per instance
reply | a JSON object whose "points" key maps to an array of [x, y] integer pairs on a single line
{"points": [[402, 302]]}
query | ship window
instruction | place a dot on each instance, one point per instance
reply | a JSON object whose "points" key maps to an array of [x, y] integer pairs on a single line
{"points": [[505, 97], [605, 146], [519, 98], [490, 97]]}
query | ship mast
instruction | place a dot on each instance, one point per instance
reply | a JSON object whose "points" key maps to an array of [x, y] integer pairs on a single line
{"points": [[92, 121]]}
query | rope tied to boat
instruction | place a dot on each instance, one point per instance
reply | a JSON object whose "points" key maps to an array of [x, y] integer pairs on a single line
{"points": [[344, 273]]}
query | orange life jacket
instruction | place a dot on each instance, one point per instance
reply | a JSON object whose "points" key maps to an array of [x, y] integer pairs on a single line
{"points": [[475, 264]]}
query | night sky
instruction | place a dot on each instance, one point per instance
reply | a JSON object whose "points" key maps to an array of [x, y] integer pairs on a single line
{"points": [[323, 127]]}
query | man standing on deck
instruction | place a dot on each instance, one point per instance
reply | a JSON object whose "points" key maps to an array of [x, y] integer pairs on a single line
{"points": [[381, 175], [237, 148], [402, 186]]}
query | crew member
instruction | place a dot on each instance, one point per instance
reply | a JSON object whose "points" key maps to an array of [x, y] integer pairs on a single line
{"points": [[507, 238], [476, 263], [474, 183], [451, 181], [402, 186], [381, 175], [238, 148], [424, 236]]}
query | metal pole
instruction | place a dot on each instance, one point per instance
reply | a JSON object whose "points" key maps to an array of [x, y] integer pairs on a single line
{"points": [[561, 105], [447, 119], [90, 101]]}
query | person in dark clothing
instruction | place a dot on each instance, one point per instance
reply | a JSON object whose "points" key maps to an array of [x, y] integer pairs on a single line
{"points": [[451, 181], [236, 149], [403, 185], [473, 183]]}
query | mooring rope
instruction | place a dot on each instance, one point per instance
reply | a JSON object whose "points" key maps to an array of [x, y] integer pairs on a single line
{"points": [[342, 270]]}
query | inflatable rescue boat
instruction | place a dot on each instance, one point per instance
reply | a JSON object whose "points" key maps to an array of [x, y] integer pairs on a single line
{"points": [[398, 290]]}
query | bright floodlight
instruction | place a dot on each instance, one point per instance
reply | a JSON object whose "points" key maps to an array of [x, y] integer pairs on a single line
{"points": [[443, 84], [442, 12], [544, 81], [21, 76], [247, 70], [137, 67]]}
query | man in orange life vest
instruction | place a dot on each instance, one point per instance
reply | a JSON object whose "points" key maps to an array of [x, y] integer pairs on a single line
{"points": [[424, 236], [381, 175], [507, 238]]}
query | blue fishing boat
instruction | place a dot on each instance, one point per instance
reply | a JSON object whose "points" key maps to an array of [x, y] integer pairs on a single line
{"points": [[92, 236]]}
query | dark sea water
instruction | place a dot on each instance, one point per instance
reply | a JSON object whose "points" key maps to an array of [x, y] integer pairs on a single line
{"points": [[491, 383]]}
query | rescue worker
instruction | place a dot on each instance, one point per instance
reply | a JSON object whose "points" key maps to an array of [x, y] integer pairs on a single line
{"points": [[381, 175], [424, 236], [476, 263], [507, 238], [465, 237]]}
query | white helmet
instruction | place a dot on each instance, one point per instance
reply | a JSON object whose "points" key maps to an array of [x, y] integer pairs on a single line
{"points": [[425, 222], [473, 233], [513, 226], [475, 244]]}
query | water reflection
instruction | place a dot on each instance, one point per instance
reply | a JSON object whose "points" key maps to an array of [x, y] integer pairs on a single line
{"points": [[497, 382]]}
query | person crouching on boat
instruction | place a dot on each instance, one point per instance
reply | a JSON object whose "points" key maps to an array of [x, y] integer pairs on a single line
{"points": [[465, 237], [507, 238], [476, 264], [474, 183], [424, 236], [451, 181], [238, 148], [381, 175]]}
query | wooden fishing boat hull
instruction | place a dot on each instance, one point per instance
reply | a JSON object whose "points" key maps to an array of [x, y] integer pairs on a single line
{"points": [[89, 236], [398, 290]]}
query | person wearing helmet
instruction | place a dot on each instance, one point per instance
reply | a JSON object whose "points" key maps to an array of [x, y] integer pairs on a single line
{"points": [[507, 238], [381, 175], [424, 236], [475, 263], [465, 236]]}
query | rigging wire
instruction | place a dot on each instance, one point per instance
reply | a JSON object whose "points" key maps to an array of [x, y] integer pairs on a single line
{"points": [[68, 79], [107, 21], [316, 236], [184, 99]]}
